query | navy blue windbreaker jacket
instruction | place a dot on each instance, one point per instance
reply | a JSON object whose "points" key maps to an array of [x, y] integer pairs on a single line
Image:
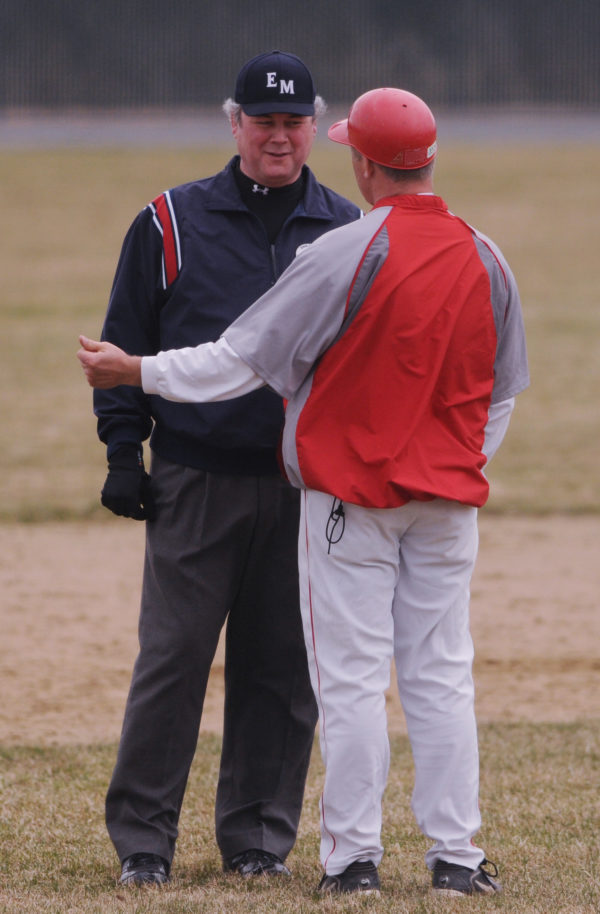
{"points": [[192, 261]]}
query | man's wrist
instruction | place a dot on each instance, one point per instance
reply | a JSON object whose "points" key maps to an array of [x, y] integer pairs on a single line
{"points": [[133, 370]]}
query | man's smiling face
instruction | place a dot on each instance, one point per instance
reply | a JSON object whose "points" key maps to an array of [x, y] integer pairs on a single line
{"points": [[273, 147]]}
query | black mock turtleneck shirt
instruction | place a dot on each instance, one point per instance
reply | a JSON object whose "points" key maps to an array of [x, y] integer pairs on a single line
{"points": [[272, 205]]}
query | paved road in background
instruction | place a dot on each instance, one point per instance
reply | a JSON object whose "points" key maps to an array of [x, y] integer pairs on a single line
{"points": [[209, 127]]}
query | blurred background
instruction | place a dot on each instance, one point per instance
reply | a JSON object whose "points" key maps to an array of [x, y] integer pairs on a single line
{"points": [[104, 103], [145, 53]]}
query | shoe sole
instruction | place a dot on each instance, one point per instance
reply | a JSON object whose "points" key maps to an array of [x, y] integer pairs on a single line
{"points": [[457, 893], [454, 892], [350, 892], [266, 874], [140, 883]]}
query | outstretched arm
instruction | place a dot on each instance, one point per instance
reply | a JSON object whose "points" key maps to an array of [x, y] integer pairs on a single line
{"points": [[195, 374], [106, 366]]}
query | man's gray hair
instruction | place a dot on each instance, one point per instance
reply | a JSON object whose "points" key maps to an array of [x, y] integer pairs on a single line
{"points": [[233, 109]]}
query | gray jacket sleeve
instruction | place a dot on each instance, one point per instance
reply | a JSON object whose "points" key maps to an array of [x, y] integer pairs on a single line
{"points": [[283, 334], [511, 370]]}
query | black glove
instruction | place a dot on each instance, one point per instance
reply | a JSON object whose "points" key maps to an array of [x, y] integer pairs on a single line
{"points": [[127, 491]]}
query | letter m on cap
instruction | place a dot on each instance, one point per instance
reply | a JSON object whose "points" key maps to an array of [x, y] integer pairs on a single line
{"points": [[286, 87]]}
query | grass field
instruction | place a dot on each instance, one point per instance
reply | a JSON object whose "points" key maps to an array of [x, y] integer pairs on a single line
{"points": [[539, 800], [67, 212]]}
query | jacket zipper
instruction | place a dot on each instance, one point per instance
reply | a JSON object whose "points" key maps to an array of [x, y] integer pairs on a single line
{"points": [[274, 264]]}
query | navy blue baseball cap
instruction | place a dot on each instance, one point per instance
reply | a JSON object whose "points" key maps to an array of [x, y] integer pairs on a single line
{"points": [[273, 82]]}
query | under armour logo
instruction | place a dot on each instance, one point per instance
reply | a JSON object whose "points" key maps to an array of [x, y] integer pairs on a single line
{"points": [[286, 86], [257, 189]]}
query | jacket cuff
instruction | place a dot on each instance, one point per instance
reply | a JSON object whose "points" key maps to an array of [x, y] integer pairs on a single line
{"points": [[150, 374]]}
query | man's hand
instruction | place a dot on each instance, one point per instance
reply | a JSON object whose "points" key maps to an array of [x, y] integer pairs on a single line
{"points": [[127, 490], [105, 365]]}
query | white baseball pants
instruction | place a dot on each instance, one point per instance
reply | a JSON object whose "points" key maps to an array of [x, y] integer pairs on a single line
{"points": [[395, 584]]}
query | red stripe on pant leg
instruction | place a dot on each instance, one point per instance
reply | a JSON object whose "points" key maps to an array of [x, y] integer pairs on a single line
{"points": [[314, 644]]}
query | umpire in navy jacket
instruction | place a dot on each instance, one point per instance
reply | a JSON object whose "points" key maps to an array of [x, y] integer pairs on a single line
{"points": [[221, 522]]}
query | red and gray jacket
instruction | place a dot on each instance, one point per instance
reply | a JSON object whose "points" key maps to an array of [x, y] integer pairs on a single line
{"points": [[193, 260], [390, 338]]}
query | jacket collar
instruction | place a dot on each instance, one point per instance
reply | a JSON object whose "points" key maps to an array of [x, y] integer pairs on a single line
{"points": [[225, 196], [413, 201]]}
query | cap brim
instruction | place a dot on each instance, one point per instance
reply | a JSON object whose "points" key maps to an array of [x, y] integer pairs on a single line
{"points": [[306, 110], [338, 132]]}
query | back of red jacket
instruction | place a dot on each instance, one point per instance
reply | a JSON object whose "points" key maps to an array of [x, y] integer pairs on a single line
{"points": [[409, 347]]}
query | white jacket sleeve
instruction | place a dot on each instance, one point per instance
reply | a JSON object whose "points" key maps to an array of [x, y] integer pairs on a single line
{"points": [[199, 374], [498, 418]]}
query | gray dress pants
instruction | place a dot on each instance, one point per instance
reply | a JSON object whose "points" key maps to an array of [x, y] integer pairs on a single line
{"points": [[222, 550]]}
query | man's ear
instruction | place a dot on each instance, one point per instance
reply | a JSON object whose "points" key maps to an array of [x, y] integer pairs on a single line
{"points": [[364, 166], [368, 168], [236, 123]]}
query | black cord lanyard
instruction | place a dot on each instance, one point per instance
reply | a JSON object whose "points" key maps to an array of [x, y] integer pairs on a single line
{"points": [[336, 516]]}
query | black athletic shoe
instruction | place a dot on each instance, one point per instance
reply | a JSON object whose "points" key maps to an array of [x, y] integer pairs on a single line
{"points": [[460, 880], [360, 876], [255, 862], [144, 869]]}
